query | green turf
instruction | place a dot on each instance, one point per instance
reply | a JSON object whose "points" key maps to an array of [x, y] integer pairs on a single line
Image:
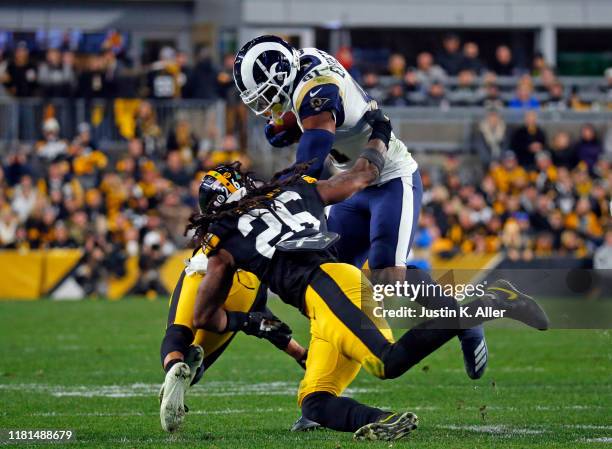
{"points": [[93, 366]]}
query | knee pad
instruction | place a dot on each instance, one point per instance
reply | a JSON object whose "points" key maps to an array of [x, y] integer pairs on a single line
{"points": [[313, 405], [177, 338]]}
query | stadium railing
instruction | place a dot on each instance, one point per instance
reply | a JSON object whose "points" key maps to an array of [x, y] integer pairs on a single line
{"points": [[578, 83], [21, 119], [431, 129]]}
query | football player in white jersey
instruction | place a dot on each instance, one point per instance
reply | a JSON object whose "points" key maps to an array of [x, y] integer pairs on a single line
{"points": [[377, 224]]}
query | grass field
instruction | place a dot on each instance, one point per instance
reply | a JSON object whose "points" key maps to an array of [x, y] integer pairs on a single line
{"points": [[93, 367]]}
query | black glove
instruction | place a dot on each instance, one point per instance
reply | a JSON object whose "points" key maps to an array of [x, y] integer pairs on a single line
{"points": [[261, 325], [302, 361], [381, 125]]}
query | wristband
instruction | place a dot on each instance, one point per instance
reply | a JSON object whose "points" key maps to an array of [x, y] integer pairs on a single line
{"points": [[236, 321]]}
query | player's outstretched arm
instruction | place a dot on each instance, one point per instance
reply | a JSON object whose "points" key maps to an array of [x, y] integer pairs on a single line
{"points": [[212, 293], [367, 168], [365, 171], [316, 141]]}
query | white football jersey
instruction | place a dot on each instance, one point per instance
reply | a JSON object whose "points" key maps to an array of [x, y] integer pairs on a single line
{"points": [[320, 70]]}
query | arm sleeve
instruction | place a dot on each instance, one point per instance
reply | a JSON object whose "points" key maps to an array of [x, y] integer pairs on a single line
{"points": [[315, 144]]}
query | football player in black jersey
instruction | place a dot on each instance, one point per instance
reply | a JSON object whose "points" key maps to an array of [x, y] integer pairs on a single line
{"points": [[186, 352], [276, 231]]}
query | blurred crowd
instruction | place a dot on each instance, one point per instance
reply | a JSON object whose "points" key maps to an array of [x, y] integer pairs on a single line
{"points": [[535, 195], [457, 76], [73, 194], [63, 73], [59, 77]]}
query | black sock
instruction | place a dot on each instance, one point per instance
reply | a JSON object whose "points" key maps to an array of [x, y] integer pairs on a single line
{"points": [[339, 413], [171, 363], [427, 337], [412, 347], [177, 339], [417, 276]]}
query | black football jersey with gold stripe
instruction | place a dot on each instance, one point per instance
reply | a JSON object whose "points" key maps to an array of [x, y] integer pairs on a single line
{"points": [[292, 211]]}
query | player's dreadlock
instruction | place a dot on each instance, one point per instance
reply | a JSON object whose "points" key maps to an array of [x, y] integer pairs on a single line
{"points": [[256, 194]]}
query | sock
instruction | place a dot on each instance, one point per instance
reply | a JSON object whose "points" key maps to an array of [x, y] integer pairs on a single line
{"points": [[417, 276], [427, 337], [412, 347], [171, 363], [177, 339], [339, 413]]}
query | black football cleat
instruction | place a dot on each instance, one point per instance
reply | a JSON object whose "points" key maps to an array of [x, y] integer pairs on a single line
{"points": [[475, 353], [517, 305], [304, 425], [389, 428]]}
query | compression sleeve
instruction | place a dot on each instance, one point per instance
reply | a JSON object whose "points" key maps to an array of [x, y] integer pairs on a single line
{"points": [[314, 144]]}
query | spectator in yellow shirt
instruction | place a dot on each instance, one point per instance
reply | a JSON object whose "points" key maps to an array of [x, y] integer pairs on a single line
{"points": [[508, 175]]}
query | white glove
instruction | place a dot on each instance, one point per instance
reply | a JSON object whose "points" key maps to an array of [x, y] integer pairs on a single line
{"points": [[196, 265]]}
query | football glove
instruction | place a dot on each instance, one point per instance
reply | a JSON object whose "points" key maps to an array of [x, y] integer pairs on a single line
{"points": [[266, 325], [283, 138], [302, 361], [381, 125]]}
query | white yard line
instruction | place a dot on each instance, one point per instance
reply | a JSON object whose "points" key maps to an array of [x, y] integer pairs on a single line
{"points": [[505, 369], [207, 389], [227, 411], [569, 407], [496, 429]]}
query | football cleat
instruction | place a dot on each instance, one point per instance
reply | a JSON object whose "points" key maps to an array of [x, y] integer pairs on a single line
{"points": [[304, 424], [172, 397], [517, 305], [475, 354], [390, 428], [194, 359]]}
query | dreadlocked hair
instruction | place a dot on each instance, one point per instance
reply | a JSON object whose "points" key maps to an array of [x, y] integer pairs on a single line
{"points": [[257, 194]]}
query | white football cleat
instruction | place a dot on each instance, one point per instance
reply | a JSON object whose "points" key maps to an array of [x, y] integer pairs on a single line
{"points": [[172, 396]]}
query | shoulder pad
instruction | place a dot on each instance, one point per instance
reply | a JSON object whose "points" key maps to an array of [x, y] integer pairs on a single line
{"points": [[318, 98]]}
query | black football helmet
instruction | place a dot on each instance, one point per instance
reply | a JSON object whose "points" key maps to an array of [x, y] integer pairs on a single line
{"points": [[218, 185]]}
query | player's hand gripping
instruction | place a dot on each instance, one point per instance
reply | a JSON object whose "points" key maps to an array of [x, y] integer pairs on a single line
{"points": [[284, 133], [381, 125], [266, 325]]}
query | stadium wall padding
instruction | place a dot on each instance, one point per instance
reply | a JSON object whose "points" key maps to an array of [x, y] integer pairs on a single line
{"points": [[32, 274], [119, 287], [172, 268], [28, 275]]}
